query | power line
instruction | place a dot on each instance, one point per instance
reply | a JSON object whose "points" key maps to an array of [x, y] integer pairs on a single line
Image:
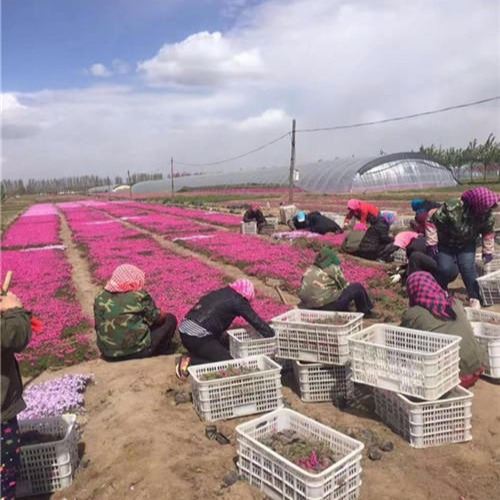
{"points": [[235, 157], [400, 118], [342, 127]]}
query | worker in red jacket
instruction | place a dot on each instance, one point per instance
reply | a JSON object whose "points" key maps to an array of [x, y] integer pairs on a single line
{"points": [[364, 212]]}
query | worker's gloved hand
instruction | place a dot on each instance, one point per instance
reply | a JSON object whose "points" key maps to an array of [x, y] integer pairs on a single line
{"points": [[487, 258], [432, 251], [395, 278]]}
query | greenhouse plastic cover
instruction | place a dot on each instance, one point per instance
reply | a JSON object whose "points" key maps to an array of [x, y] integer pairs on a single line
{"points": [[397, 171]]}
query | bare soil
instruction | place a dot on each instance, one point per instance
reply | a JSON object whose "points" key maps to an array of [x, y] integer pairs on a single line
{"points": [[140, 445]]}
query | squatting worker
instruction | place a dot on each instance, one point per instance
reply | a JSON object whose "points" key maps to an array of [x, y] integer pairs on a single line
{"points": [[377, 241], [433, 310], [16, 333], [127, 321], [325, 287], [452, 231], [364, 212], [254, 214], [201, 330]]}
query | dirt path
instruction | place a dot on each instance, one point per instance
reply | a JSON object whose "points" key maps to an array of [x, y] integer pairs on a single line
{"points": [[231, 271], [140, 445], [86, 289]]}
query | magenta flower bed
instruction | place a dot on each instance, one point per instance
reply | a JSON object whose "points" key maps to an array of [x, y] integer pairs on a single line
{"points": [[175, 282], [217, 218], [42, 280], [265, 259], [38, 226], [164, 224]]}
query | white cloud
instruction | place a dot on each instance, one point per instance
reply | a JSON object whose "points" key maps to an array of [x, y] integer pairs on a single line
{"points": [[99, 70], [202, 59], [268, 119], [325, 62]]}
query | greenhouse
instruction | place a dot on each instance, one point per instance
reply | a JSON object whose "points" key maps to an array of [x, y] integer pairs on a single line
{"points": [[353, 175]]}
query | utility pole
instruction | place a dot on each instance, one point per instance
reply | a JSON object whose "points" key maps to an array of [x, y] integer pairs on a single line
{"points": [[172, 175], [129, 183], [292, 166]]}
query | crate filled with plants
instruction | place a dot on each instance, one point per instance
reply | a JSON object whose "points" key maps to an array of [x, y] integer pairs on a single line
{"points": [[487, 334], [290, 456], [245, 342], [235, 388], [315, 336]]}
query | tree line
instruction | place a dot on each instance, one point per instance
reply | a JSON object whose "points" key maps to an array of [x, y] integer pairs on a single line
{"points": [[475, 162], [77, 184]]}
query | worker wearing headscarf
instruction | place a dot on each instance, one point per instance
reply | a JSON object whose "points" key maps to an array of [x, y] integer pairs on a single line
{"points": [[364, 212], [254, 214], [423, 209], [452, 232], [325, 287], [128, 323], [433, 310], [377, 243], [203, 327]]}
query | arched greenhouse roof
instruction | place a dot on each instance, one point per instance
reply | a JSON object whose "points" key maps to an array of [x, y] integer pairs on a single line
{"points": [[394, 171]]}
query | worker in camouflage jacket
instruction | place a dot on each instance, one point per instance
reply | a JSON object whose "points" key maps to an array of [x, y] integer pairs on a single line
{"points": [[325, 287], [127, 322], [452, 232]]}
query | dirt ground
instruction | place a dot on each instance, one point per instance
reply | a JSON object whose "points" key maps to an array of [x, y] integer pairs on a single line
{"points": [[139, 444]]}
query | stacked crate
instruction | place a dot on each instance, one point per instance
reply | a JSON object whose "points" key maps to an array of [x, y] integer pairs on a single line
{"points": [[415, 375], [486, 326], [316, 342]]}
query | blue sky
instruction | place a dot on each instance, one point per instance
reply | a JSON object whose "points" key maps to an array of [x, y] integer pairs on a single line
{"points": [[104, 86], [48, 43]]}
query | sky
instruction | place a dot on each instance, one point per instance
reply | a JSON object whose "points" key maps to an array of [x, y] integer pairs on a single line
{"points": [[106, 86]]}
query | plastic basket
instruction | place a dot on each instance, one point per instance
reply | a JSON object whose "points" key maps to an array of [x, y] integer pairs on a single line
{"points": [[400, 256], [429, 423], [272, 221], [489, 268], [245, 342], [48, 467], [300, 338], [318, 382], [278, 478], [489, 286], [286, 213], [413, 362], [488, 337], [485, 316], [249, 227], [239, 395]]}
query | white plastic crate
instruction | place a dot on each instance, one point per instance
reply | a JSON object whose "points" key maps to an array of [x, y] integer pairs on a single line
{"points": [[249, 227], [244, 342], [48, 467], [427, 423], [403, 222], [240, 395], [488, 336], [489, 286], [338, 218], [400, 256], [412, 362], [491, 267], [278, 478], [318, 382], [485, 316], [272, 221], [300, 338], [286, 213]]}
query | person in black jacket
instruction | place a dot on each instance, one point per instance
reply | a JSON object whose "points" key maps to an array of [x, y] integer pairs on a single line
{"points": [[315, 222], [254, 213], [376, 239], [202, 328]]}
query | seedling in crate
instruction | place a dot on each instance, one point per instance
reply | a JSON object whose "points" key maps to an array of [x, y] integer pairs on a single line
{"points": [[230, 371]]}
